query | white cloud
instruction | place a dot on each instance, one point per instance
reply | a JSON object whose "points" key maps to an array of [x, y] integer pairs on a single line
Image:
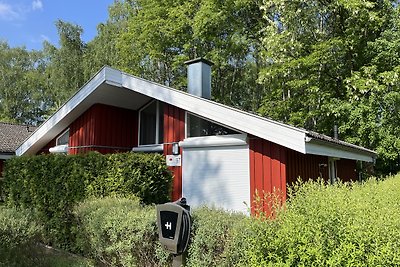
{"points": [[45, 38], [7, 12], [40, 39], [37, 5]]}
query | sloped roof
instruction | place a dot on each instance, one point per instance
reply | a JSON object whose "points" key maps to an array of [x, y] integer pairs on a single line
{"points": [[113, 87], [12, 136]]}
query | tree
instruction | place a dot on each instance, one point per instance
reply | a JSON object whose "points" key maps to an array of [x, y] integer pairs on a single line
{"points": [[326, 65], [22, 85], [162, 35], [65, 69], [103, 49]]}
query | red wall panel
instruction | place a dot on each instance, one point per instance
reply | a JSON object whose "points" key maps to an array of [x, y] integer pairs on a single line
{"points": [[314, 166], [347, 170], [267, 173], [45, 149], [105, 129], [174, 131], [305, 166]]}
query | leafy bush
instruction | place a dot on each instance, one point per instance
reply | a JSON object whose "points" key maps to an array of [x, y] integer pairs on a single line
{"points": [[119, 232], [18, 234], [210, 235], [53, 184], [1, 191], [325, 225]]}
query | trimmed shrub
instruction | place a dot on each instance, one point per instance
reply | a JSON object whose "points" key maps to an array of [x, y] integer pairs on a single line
{"points": [[119, 232], [210, 235], [19, 233], [53, 184]]}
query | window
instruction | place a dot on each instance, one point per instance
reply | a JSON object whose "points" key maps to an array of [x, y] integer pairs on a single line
{"points": [[151, 124], [63, 139], [197, 126]]}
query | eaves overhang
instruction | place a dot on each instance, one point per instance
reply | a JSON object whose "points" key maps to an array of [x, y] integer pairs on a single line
{"points": [[326, 146]]}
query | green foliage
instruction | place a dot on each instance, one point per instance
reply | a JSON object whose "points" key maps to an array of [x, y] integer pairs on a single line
{"points": [[159, 36], [53, 184], [22, 85], [119, 232], [324, 225], [335, 62], [64, 71], [19, 233], [210, 236], [1, 191], [349, 224]]}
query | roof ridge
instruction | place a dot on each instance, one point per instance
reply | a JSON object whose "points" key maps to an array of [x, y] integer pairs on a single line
{"points": [[17, 124]]}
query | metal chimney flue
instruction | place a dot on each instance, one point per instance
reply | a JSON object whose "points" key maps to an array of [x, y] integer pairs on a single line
{"points": [[335, 132], [199, 77]]}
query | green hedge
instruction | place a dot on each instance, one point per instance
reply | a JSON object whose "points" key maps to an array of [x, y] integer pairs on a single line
{"points": [[19, 233], [53, 184], [119, 232]]}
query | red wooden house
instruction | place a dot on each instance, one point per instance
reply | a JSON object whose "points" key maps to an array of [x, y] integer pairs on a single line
{"points": [[219, 155]]}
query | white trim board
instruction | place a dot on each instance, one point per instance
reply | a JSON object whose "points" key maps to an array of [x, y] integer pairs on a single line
{"points": [[6, 156]]}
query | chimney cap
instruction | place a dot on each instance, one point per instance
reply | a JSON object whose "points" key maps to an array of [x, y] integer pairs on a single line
{"points": [[199, 59]]}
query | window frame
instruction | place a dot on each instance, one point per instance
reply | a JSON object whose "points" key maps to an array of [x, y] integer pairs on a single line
{"points": [[60, 136], [187, 113], [157, 132]]}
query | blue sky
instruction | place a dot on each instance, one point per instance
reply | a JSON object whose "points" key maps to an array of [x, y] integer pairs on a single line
{"points": [[29, 22]]}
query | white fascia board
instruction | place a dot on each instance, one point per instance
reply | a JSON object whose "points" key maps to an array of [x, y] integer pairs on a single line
{"points": [[149, 148], [275, 132], [6, 156], [46, 130], [59, 149], [325, 149]]}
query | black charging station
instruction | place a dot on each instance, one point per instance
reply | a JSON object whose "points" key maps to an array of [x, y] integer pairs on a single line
{"points": [[174, 224]]}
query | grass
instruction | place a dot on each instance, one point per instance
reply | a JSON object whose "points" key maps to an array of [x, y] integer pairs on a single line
{"points": [[45, 257], [57, 258]]}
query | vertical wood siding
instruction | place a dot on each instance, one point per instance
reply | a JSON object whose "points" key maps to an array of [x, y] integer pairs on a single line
{"points": [[306, 167], [267, 172], [105, 129], [347, 170], [174, 131]]}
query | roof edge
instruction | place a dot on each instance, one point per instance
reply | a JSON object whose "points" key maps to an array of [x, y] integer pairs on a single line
{"points": [[105, 74]]}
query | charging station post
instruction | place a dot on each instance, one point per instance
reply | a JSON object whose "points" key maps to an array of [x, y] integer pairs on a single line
{"points": [[174, 225]]}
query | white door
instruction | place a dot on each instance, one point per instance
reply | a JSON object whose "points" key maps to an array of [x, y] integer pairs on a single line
{"points": [[216, 172]]}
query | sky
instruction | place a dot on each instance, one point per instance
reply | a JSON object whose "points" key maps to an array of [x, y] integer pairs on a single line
{"points": [[29, 22]]}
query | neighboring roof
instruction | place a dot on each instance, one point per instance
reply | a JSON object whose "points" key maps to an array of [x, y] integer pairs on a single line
{"points": [[12, 135], [113, 87]]}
